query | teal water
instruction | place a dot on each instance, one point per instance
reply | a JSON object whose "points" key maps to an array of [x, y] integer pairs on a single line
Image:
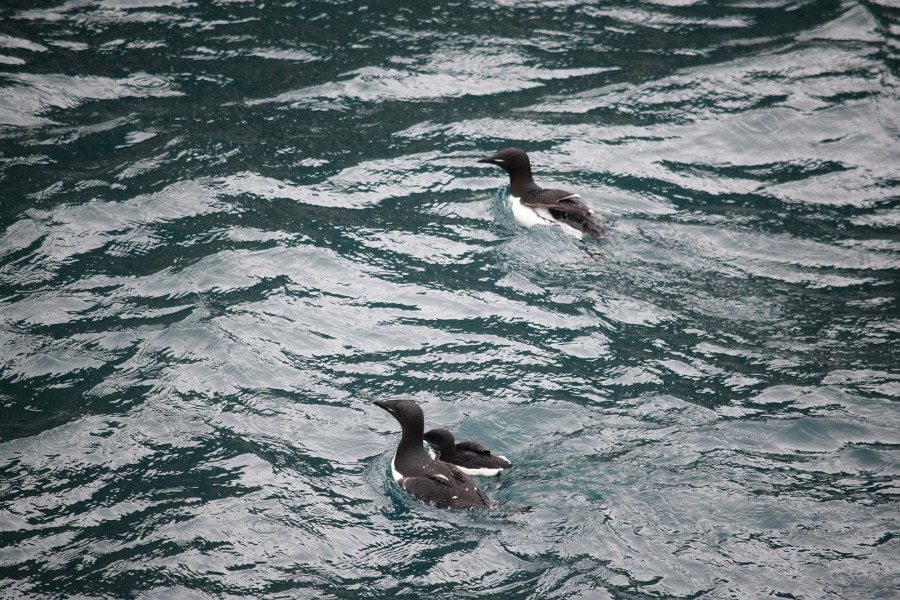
{"points": [[227, 228]]}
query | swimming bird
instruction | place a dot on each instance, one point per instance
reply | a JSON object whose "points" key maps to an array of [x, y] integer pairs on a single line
{"points": [[533, 205], [432, 481], [471, 457]]}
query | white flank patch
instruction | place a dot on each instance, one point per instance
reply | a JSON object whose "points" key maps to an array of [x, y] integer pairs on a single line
{"points": [[571, 230], [526, 216], [484, 471], [394, 471]]}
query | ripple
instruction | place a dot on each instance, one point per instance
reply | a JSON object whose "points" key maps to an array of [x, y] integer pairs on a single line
{"points": [[354, 187], [230, 227], [33, 95], [60, 236], [450, 72]]}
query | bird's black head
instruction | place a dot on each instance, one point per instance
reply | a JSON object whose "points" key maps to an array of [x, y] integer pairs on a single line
{"points": [[441, 440], [408, 414], [513, 160]]}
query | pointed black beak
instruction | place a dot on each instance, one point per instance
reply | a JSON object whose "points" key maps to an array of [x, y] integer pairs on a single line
{"points": [[391, 407], [488, 159]]}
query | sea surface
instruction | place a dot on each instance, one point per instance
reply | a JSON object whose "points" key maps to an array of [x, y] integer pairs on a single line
{"points": [[228, 227]]}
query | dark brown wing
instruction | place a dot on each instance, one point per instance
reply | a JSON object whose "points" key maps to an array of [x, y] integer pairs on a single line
{"points": [[473, 447], [458, 476], [429, 489], [566, 207], [472, 496], [458, 491]]}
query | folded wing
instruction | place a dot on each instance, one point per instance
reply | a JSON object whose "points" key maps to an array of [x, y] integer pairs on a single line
{"points": [[566, 207]]}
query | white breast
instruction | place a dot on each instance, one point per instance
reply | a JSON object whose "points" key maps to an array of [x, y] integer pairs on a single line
{"points": [[526, 216]]}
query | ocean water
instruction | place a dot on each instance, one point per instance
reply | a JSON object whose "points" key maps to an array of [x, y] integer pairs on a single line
{"points": [[227, 227]]}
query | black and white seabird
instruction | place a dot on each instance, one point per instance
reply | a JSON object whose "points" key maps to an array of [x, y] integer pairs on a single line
{"points": [[533, 205], [471, 457], [431, 481]]}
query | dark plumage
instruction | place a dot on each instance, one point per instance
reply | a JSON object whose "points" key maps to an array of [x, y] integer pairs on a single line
{"points": [[547, 205], [431, 481], [471, 457]]}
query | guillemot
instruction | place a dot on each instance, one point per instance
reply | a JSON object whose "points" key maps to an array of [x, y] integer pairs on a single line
{"points": [[440, 484], [471, 457], [533, 205]]}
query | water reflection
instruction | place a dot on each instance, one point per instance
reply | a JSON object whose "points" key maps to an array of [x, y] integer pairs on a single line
{"points": [[228, 229]]}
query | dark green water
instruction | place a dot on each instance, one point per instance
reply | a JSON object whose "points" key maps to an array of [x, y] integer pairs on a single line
{"points": [[226, 228]]}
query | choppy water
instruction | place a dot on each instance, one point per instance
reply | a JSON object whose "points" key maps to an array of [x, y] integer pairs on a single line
{"points": [[229, 227]]}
